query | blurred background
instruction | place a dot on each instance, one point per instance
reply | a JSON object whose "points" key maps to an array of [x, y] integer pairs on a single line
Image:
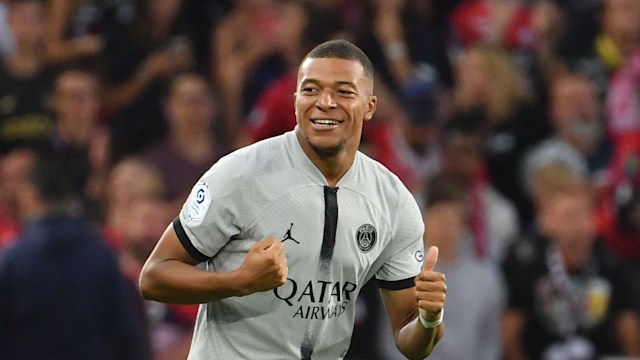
{"points": [[515, 123]]}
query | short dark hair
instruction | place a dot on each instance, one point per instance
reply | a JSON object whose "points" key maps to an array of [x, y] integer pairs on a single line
{"points": [[174, 78], [447, 186], [55, 175], [342, 49]]}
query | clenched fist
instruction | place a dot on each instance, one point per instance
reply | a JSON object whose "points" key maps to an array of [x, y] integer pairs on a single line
{"points": [[265, 266], [431, 289]]}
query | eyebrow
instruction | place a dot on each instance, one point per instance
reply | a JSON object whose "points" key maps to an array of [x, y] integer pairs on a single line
{"points": [[339, 83]]}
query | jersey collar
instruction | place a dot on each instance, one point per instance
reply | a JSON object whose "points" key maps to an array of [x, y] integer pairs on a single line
{"points": [[295, 151]]}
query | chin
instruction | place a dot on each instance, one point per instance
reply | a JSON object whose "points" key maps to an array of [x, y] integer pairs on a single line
{"points": [[325, 151], [578, 258], [326, 147]]}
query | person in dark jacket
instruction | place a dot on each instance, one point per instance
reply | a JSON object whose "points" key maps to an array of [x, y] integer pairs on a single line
{"points": [[62, 295]]}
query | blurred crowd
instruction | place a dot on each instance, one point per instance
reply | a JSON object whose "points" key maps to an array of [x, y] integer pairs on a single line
{"points": [[515, 123]]}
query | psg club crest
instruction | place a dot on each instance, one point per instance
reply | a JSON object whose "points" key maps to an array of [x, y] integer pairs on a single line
{"points": [[366, 237]]}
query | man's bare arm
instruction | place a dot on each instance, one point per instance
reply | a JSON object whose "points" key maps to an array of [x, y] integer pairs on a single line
{"points": [[170, 274]]}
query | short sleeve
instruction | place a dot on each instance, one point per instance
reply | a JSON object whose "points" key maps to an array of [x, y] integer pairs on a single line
{"points": [[404, 256], [209, 217]]}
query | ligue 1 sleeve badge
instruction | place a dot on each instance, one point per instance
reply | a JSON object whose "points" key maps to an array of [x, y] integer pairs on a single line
{"points": [[198, 204], [366, 237]]}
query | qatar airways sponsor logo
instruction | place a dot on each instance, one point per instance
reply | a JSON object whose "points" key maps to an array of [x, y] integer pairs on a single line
{"points": [[317, 299]]}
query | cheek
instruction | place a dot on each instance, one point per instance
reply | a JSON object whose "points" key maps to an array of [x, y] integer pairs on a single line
{"points": [[358, 113], [302, 106]]}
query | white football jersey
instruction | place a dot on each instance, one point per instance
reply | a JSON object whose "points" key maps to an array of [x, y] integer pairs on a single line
{"points": [[336, 239]]}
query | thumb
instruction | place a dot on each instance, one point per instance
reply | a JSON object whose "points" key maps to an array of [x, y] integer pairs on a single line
{"points": [[431, 259]]}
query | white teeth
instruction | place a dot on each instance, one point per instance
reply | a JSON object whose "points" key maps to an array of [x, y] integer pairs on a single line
{"points": [[325, 122]]}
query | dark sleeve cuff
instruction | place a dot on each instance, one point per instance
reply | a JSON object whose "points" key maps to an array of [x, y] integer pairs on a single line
{"points": [[397, 285], [186, 242]]}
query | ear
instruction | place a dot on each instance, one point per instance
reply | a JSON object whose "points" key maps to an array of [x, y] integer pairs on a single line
{"points": [[371, 107]]}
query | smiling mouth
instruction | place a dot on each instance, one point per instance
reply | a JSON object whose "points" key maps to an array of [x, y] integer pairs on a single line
{"points": [[325, 122]]}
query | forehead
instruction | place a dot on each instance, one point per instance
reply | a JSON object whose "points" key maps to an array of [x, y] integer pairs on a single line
{"points": [[571, 85], [332, 70], [73, 80], [189, 82], [572, 203]]}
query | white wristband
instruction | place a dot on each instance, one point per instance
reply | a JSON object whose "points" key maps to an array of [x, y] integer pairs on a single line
{"points": [[431, 324]]}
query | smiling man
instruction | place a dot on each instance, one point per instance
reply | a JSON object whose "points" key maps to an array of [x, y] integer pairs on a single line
{"points": [[351, 218]]}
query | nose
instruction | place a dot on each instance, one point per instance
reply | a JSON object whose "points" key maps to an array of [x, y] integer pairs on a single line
{"points": [[325, 100]]}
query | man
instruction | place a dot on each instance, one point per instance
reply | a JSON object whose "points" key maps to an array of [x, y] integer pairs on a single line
{"points": [[79, 131], [578, 139], [25, 80], [567, 297], [351, 220], [190, 146], [63, 296]]}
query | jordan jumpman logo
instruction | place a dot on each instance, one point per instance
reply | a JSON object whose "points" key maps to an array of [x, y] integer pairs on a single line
{"points": [[287, 235]]}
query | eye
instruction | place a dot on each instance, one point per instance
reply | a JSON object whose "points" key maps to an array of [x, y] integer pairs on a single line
{"points": [[308, 90], [345, 92]]}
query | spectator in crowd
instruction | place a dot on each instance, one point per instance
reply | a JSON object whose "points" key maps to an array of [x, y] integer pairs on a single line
{"points": [[492, 218], [79, 128], [135, 215], [140, 57], [490, 92], [170, 326], [192, 143], [579, 139], [130, 179], [25, 80], [63, 295], [568, 299]]}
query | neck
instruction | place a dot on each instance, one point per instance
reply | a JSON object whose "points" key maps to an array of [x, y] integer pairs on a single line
{"points": [[333, 166], [196, 147], [78, 136]]}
